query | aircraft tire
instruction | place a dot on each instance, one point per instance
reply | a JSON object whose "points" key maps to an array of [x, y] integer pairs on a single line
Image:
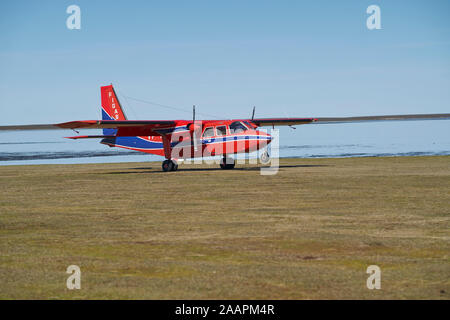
{"points": [[167, 165], [226, 165], [264, 158]]}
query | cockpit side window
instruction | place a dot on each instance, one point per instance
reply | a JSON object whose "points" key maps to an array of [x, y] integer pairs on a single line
{"points": [[221, 131], [209, 132], [248, 124], [237, 127]]}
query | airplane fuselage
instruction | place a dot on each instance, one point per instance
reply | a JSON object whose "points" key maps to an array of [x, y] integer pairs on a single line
{"points": [[214, 138]]}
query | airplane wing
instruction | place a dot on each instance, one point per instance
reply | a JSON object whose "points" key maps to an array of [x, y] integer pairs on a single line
{"points": [[400, 117], [330, 120], [158, 127], [125, 127], [281, 121], [30, 127], [93, 124], [116, 124]]}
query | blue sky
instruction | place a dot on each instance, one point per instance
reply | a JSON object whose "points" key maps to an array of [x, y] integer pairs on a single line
{"points": [[289, 58]]}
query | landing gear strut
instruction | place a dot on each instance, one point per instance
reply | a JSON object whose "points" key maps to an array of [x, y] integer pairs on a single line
{"points": [[169, 165], [227, 163]]}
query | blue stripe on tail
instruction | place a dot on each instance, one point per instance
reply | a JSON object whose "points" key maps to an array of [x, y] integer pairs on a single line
{"points": [[108, 132]]}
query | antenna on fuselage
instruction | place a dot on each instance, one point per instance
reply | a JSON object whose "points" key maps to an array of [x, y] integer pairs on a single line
{"points": [[194, 136], [253, 113]]}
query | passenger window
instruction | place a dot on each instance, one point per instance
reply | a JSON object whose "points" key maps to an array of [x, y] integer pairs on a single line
{"points": [[237, 127], [221, 131], [209, 132]]}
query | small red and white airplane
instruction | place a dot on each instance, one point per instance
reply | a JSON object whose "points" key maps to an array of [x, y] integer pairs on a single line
{"points": [[188, 139]]}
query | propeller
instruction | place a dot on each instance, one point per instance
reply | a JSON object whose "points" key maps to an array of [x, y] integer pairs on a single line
{"points": [[253, 113]]}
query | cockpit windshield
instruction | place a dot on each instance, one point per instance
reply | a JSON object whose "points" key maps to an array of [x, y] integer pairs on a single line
{"points": [[237, 127], [248, 124]]}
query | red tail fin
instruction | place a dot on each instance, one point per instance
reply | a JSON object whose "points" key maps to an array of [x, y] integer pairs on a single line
{"points": [[111, 108]]}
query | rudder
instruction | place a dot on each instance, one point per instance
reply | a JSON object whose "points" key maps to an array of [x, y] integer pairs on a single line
{"points": [[111, 108]]}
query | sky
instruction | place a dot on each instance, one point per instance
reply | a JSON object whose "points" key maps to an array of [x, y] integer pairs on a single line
{"points": [[287, 58]]}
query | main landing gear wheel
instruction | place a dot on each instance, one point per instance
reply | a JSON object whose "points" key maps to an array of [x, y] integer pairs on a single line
{"points": [[169, 165], [264, 157], [227, 163]]}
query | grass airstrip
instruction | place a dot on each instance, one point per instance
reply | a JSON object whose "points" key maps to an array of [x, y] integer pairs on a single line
{"points": [[308, 232]]}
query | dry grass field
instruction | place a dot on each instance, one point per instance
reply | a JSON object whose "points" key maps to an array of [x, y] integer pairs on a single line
{"points": [[308, 232]]}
